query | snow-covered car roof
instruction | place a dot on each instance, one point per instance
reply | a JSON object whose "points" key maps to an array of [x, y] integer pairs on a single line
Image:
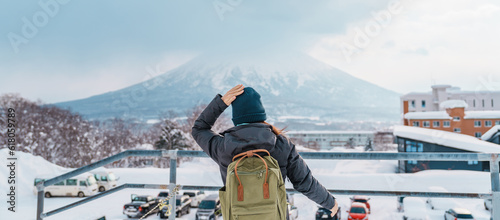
{"points": [[490, 133]]}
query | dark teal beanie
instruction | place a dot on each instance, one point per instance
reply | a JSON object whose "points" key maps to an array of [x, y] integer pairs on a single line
{"points": [[248, 108]]}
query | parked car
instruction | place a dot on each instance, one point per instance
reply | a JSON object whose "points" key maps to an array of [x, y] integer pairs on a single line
{"points": [[162, 195], [488, 204], [414, 209], [182, 206], [358, 211], [209, 208], [457, 214], [140, 205], [196, 197], [362, 199], [440, 203], [105, 180], [323, 213], [81, 185]]}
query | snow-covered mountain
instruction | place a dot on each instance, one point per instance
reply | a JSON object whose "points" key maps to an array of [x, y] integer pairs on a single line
{"points": [[293, 85]]}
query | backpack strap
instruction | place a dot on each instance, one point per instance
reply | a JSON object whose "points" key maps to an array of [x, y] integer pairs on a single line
{"points": [[251, 153]]}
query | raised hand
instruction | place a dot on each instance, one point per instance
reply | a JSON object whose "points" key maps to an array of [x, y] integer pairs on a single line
{"points": [[230, 95]]}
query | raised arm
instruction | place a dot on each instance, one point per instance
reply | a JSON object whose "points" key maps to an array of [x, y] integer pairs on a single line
{"points": [[202, 132]]}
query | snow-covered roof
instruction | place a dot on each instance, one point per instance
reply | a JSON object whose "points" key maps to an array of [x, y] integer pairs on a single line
{"points": [[427, 115], [453, 104], [330, 132], [481, 114], [445, 138], [490, 132]]}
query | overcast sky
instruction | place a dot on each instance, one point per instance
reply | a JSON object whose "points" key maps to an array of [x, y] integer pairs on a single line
{"points": [[76, 49]]}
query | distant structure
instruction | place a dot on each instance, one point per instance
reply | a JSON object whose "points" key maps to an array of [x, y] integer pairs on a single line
{"points": [[492, 135], [415, 140], [448, 108], [326, 140]]}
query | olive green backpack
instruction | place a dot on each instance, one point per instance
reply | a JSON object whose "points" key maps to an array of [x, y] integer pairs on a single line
{"points": [[254, 189]]}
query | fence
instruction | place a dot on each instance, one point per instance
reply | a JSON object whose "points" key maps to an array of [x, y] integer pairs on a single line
{"points": [[173, 154]]}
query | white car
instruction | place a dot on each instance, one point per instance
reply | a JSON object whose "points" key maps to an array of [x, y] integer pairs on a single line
{"points": [[81, 185], [414, 209], [105, 180], [440, 203], [196, 197], [458, 214]]}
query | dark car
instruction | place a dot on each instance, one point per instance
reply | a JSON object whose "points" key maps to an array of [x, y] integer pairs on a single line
{"points": [[182, 206], [209, 208], [139, 205], [323, 213]]}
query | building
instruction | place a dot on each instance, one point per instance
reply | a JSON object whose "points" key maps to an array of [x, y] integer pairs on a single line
{"points": [[415, 139], [454, 118], [430, 101], [326, 140]]}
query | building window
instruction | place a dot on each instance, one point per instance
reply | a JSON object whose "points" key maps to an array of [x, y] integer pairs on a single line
{"points": [[435, 124], [478, 134], [423, 103], [477, 123], [412, 103], [426, 124], [416, 123], [412, 146], [474, 103], [487, 123], [472, 162], [456, 118], [492, 103], [457, 130], [483, 103], [446, 124], [497, 122]]}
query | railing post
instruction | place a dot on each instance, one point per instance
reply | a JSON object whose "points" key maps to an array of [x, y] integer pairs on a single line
{"points": [[39, 205], [495, 186], [173, 182]]}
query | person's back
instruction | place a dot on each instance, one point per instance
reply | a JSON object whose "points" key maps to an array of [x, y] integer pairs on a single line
{"points": [[252, 132]]}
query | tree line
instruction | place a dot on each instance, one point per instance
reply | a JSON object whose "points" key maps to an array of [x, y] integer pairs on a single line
{"points": [[68, 139]]}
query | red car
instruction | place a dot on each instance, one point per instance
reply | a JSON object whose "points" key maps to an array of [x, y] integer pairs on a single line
{"points": [[362, 199], [358, 211]]}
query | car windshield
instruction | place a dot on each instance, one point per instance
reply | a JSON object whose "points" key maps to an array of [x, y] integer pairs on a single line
{"points": [[111, 177], [466, 216], [358, 210], [207, 204], [163, 194], [140, 199], [190, 194]]}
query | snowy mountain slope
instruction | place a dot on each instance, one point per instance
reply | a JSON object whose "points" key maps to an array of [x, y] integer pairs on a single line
{"points": [[290, 85]]}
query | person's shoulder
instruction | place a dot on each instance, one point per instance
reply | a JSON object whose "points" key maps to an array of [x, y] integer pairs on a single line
{"points": [[282, 139]]}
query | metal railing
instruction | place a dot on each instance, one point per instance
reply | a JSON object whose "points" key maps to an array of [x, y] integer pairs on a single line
{"points": [[173, 154]]}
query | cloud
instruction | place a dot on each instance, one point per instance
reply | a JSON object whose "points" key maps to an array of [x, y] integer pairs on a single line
{"points": [[430, 42]]}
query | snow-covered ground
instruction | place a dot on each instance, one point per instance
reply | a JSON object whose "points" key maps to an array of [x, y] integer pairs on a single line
{"points": [[339, 174]]}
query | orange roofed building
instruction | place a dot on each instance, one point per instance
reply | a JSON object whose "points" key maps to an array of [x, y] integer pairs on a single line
{"points": [[453, 118]]}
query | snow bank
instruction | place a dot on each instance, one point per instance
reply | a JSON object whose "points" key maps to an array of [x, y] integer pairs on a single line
{"points": [[453, 104], [445, 138]]}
